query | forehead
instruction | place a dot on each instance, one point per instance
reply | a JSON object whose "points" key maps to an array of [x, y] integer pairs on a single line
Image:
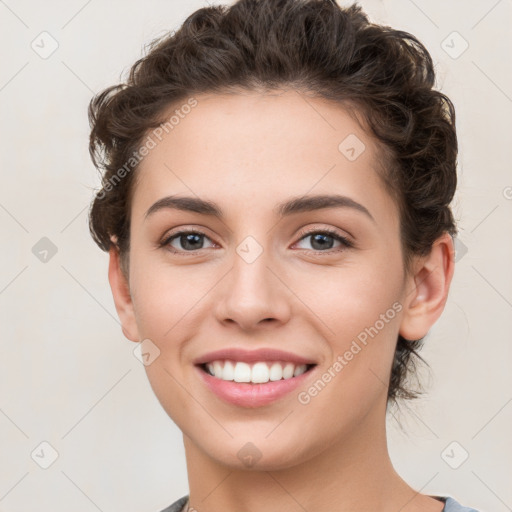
{"points": [[249, 148]]}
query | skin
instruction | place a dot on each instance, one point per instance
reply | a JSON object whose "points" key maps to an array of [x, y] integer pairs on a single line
{"points": [[248, 152]]}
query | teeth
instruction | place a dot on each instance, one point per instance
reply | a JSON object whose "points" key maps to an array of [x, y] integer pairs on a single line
{"points": [[260, 373], [276, 372], [228, 371], [299, 370], [242, 372], [288, 371], [257, 373]]}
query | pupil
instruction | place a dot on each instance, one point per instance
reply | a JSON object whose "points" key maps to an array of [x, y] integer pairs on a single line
{"points": [[318, 237], [190, 238]]}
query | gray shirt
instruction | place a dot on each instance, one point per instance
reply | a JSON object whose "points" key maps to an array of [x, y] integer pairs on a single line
{"points": [[450, 505]]}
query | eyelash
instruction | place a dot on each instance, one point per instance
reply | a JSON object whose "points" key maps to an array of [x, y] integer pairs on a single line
{"points": [[344, 241]]}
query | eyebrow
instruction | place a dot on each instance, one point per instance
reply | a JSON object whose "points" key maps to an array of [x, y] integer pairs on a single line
{"points": [[294, 205]]}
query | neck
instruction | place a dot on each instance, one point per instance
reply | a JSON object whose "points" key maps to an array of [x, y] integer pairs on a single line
{"points": [[354, 473]]}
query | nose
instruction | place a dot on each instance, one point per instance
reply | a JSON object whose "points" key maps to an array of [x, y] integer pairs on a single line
{"points": [[253, 295]]}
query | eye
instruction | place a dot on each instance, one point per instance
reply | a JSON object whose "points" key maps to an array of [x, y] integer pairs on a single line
{"points": [[190, 241], [322, 240], [193, 240]]}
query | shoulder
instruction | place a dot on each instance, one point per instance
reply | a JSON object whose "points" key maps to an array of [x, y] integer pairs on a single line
{"points": [[454, 506], [177, 505]]}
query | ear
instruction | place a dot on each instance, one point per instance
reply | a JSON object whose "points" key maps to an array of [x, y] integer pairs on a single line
{"points": [[427, 289], [121, 293]]}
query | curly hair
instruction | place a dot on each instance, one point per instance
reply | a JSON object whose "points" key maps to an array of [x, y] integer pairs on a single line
{"points": [[313, 46]]}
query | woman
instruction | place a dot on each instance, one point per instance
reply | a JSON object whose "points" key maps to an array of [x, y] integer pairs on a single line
{"points": [[276, 206]]}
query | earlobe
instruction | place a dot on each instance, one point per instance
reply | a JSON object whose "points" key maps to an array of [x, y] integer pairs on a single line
{"points": [[121, 294], [428, 288]]}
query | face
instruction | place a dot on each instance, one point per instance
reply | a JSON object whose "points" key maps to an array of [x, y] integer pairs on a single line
{"points": [[323, 285]]}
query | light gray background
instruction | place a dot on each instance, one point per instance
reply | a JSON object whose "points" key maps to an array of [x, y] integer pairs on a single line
{"points": [[69, 377]]}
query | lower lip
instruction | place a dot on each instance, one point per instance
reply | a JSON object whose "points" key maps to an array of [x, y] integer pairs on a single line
{"points": [[252, 395]]}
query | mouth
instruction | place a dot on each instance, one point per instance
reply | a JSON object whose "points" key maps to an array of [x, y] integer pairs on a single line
{"points": [[258, 372], [256, 383], [253, 378]]}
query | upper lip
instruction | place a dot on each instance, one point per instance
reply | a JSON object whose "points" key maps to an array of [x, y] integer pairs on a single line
{"points": [[261, 354]]}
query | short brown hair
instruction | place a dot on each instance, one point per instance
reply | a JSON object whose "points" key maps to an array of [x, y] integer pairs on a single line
{"points": [[312, 46]]}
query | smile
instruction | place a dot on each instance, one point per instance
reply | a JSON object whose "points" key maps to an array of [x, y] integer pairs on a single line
{"points": [[253, 378], [259, 372]]}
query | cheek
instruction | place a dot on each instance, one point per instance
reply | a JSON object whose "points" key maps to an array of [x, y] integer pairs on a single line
{"points": [[165, 301], [165, 297], [349, 298], [358, 311]]}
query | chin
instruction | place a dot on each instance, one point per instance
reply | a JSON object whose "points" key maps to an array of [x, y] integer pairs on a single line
{"points": [[258, 453]]}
